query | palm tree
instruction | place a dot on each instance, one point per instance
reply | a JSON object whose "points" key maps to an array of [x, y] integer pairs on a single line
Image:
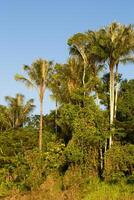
{"points": [[113, 43], [65, 79], [80, 47], [36, 77], [16, 114], [4, 122], [124, 60], [18, 111], [77, 45]]}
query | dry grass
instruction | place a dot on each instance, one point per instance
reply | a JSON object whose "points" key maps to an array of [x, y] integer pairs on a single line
{"points": [[76, 189], [49, 190]]}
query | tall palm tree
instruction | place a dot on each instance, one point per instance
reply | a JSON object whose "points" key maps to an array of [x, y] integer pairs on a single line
{"points": [[36, 77], [124, 60], [125, 37], [113, 43]]}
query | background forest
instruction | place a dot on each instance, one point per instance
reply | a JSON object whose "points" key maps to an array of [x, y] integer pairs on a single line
{"points": [[84, 148]]}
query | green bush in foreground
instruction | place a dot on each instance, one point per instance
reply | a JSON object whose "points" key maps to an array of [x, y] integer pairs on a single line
{"points": [[119, 163]]}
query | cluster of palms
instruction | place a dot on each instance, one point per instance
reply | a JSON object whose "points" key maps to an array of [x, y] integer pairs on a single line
{"points": [[16, 113], [111, 45], [90, 52]]}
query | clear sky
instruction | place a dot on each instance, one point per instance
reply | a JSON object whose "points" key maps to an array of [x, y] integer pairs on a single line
{"points": [[31, 29]]}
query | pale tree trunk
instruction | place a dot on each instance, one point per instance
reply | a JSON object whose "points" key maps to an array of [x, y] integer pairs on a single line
{"points": [[85, 61], [116, 92], [83, 78], [41, 120], [84, 69], [111, 101], [105, 147], [42, 88], [56, 113]]}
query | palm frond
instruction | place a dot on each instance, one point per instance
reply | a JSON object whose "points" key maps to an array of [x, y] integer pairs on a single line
{"points": [[26, 81], [127, 59]]}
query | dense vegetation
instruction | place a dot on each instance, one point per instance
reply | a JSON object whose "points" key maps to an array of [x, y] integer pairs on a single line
{"points": [[84, 148]]}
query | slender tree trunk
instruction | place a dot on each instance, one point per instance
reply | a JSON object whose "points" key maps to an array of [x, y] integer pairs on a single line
{"points": [[84, 57], [101, 157], [116, 92], [83, 78], [84, 73], [111, 101], [84, 69], [105, 146], [41, 123], [56, 116]]}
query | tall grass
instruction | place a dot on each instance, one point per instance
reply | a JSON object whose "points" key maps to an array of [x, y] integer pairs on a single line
{"points": [[103, 191]]}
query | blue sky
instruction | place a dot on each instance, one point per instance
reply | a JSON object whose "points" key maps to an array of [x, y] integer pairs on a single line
{"points": [[31, 29]]}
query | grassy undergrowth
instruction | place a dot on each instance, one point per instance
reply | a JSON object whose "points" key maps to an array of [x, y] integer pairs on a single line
{"points": [[93, 189], [105, 191]]}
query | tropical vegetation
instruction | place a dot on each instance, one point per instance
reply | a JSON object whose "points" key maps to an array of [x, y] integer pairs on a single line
{"points": [[84, 148]]}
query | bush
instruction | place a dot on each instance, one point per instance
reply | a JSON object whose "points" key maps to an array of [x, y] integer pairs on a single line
{"points": [[119, 162]]}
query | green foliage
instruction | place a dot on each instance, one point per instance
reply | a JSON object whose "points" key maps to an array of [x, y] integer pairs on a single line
{"points": [[22, 166], [119, 162], [84, 129], [13, 145], [126, 101], [125, 112]]}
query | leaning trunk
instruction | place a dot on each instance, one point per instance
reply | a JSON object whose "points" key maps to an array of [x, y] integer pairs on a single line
{"points": [[83, 78], [116, 92], [41, 123], [111, 101], [85, 62]]}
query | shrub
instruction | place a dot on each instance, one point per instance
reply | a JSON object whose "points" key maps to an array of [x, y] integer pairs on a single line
{"points": [[119, 162]]}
